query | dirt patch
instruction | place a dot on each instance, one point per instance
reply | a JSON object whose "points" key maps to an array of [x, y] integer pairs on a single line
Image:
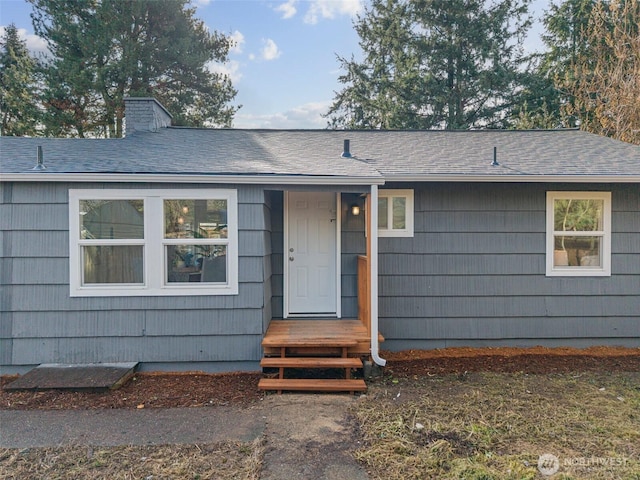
{"points": [[196, 389], [310, 437], [145, 390], [535, 360]]}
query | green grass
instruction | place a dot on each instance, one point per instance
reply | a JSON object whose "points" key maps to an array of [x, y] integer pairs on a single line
{"points": [[496, 426]]}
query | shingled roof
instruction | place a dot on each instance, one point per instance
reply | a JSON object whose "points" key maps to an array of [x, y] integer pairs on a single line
{"points": [[391, 155]]}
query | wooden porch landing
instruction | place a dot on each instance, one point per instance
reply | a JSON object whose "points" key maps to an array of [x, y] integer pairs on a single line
{"points": [[317, 343]]}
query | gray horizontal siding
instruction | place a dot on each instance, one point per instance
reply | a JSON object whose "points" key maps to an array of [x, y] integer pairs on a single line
{"points": [[454, 243], [277, 257], [479, 222], [50, 217], [462, 264], [40, 322], [513, 327], [510, 306], [474, 272], [34, 298], [135, 323], [200, 348], [575, 342], [507, 285], [6, 351], [38, 244]]}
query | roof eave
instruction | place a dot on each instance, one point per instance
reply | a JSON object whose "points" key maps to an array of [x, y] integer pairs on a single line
{"points": [[515, 178], [266, 179]]}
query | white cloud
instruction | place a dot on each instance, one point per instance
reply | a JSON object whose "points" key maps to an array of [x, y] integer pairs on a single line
{"points": [[319, 9], [201, 3], [238, 42], [304, 116], [35, 44], [230, 68], [288, 9], [270, 51]]}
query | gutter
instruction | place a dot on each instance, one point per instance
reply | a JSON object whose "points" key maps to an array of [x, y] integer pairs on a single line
{"points": [[462, 178], [267, 179], [373, 308]]}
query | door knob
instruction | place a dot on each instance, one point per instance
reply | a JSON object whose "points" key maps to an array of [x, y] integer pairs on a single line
{"points": [[291, 259]]}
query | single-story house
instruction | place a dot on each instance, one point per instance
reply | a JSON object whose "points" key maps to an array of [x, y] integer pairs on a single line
{"points": [[180, 247]]}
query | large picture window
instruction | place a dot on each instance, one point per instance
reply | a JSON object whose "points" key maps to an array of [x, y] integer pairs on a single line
{"points": [[395, 213], [578, 233], [153, 242]]}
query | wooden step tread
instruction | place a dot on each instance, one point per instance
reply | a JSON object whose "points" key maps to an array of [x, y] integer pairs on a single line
{"points": [[279, 342], [313, 385], [311, 362]]}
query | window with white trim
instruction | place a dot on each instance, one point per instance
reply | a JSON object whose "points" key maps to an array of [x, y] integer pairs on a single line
{"points": [[578, 233], [395, 213], [153, 242]]}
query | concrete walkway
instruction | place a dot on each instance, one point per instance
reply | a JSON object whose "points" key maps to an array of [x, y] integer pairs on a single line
{"points": [[37, 428], [307, 436]]}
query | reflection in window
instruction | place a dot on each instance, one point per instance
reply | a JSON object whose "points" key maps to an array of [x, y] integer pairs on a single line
{"points": [[579, 233], [112, 264], [577, 215], [395, 213], [111, 219], [198, 232], [196, 263], [383, 213], [195, 218], [399, 213]]}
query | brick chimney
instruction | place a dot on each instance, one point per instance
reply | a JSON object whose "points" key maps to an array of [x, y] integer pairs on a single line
{"points": [[144, 114]]}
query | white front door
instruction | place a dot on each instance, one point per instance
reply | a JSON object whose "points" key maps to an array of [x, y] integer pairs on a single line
{"points": [[311, 244]]}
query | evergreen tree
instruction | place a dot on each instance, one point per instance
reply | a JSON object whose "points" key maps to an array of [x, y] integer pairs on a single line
{"points": [[18, 92], [434, 64], [565, 37], [104, 50]]}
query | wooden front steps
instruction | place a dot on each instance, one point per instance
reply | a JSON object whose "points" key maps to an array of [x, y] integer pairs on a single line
{"points": [[311, 362], [313, 344], [313, 385]]}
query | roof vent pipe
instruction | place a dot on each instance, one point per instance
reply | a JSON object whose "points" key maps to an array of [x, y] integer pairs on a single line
{"points": [[40, 165], [346, 153], [495, 157]]}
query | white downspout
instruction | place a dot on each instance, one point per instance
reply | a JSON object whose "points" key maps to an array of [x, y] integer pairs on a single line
{"points": [[373, 262]]}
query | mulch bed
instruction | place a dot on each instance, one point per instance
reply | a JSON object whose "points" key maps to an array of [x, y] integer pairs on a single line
{"points": [[535, 360], [196, 389]]}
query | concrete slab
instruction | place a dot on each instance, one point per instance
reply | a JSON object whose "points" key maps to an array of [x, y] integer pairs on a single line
{"points": [[158, 426], [74, 376]]}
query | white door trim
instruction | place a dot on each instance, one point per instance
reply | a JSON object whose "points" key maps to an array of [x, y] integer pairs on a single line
{"points": [[285, 259]]}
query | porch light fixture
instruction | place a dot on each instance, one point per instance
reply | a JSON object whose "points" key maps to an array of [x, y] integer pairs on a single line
{"points": [[355, 209]]}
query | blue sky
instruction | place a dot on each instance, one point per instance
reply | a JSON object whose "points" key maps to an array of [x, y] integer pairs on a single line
{"points": [[284, 65]]}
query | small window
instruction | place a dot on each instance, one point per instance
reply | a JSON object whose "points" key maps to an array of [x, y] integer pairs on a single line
{"points": [[395, 213], [578, 233], [153, 242]]}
